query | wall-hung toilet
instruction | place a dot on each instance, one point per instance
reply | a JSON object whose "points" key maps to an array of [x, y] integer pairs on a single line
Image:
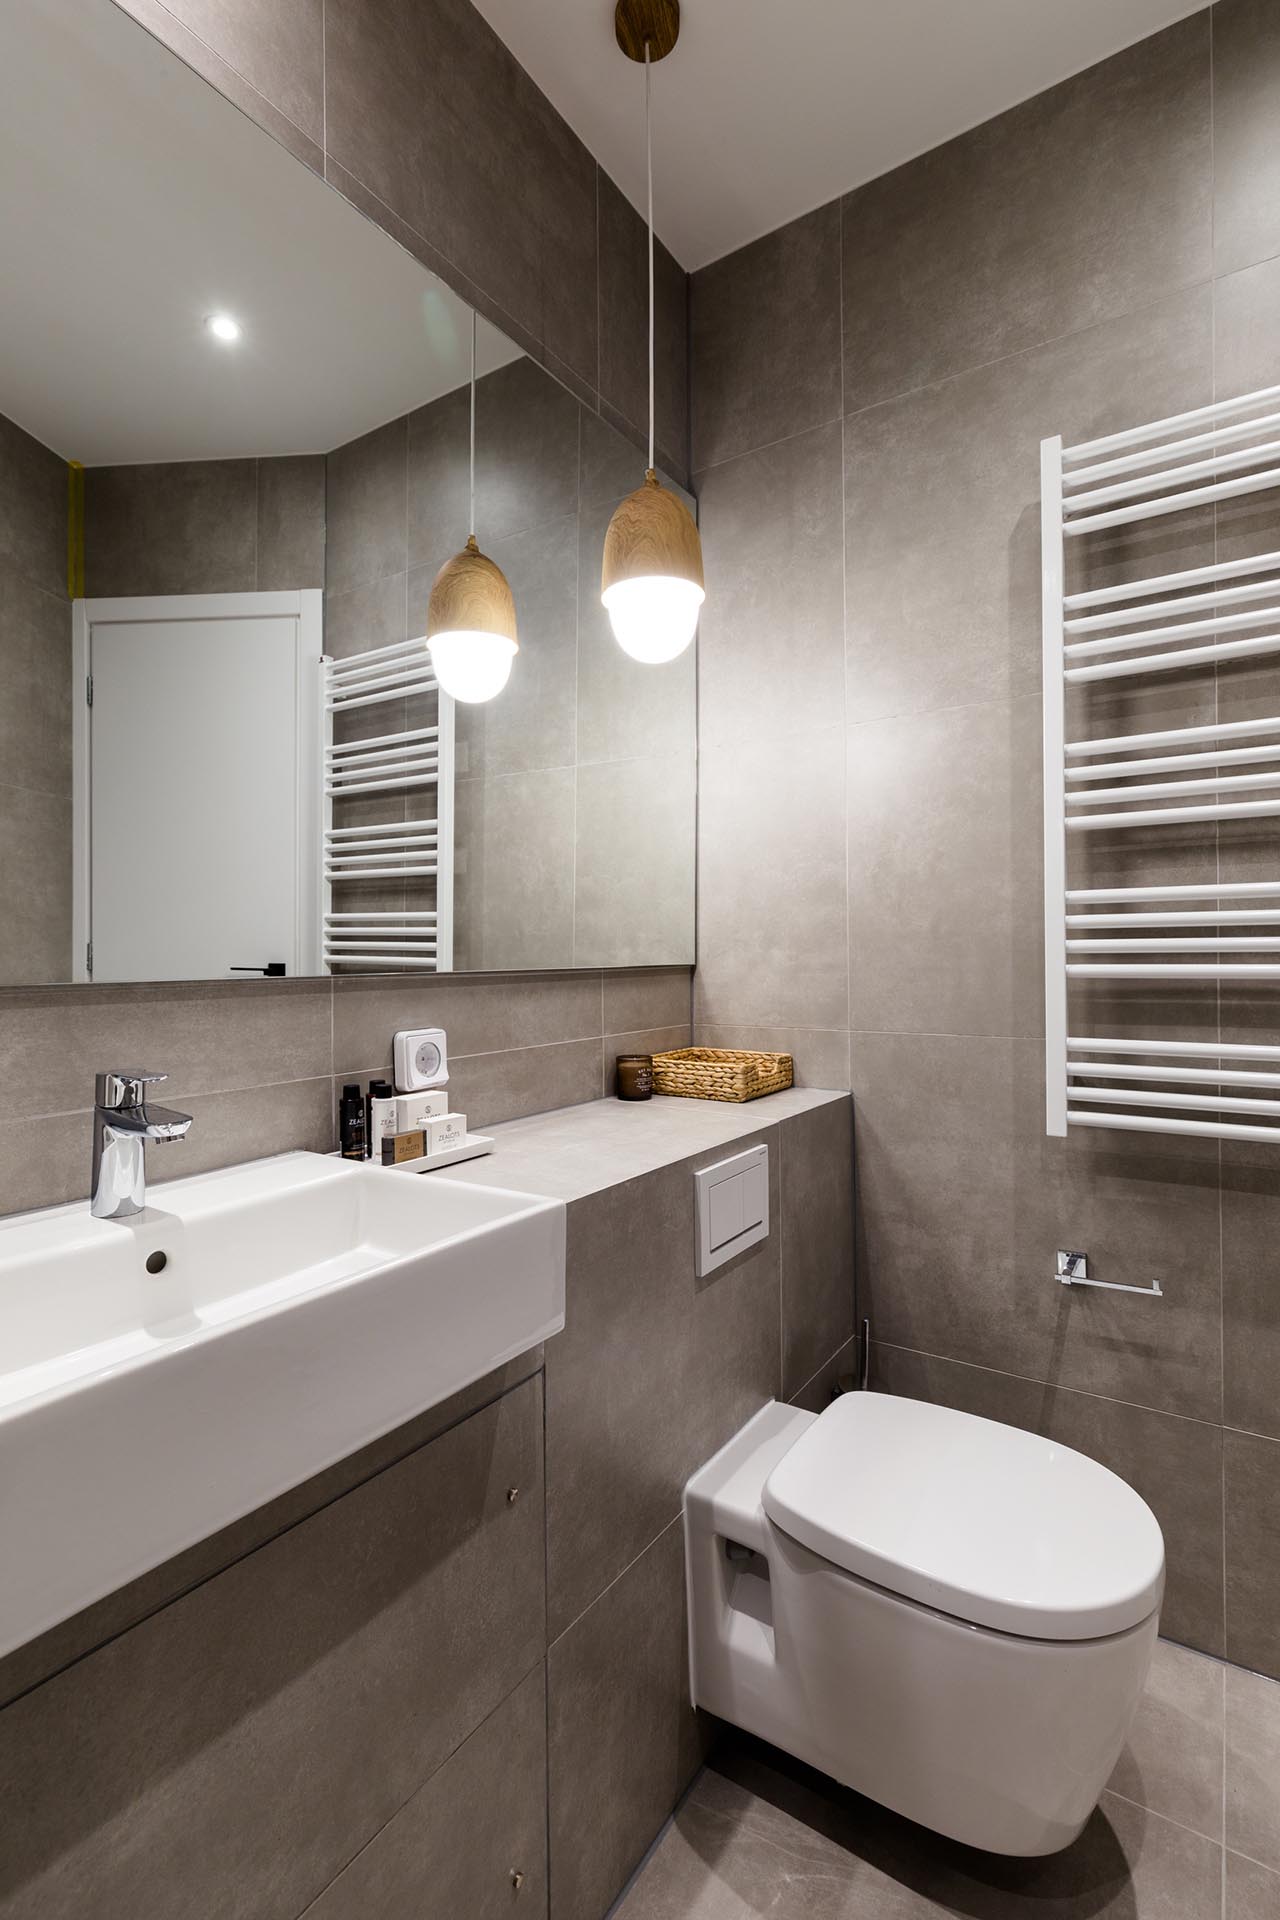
{"points": [[952, 1616]]}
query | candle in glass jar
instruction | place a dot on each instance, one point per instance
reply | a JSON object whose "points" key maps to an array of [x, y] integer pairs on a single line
{"points": [[635, 1076]]}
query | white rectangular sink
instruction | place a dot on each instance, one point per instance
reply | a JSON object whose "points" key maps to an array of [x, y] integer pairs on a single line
{"points": [[304, 1306]]}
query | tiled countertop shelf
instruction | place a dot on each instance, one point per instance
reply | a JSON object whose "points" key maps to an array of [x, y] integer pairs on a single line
{"points": [[575, 1151]]}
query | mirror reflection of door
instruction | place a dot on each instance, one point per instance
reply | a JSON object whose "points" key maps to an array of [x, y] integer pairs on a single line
{"points": [[196, 793]]}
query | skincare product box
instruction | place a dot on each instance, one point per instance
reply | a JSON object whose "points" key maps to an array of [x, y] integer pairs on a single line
{"points": [[445, 1132], [415, 1109]]}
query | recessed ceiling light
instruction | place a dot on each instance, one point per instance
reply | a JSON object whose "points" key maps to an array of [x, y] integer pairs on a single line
{"points": [[223, 327]]}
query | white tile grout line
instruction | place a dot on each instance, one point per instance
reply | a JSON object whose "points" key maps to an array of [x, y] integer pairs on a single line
{"points": [[1155, 1813], [1084, 1393]]}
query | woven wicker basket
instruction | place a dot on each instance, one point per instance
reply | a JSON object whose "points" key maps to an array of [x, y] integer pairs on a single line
{"points": [[721, 1073]]}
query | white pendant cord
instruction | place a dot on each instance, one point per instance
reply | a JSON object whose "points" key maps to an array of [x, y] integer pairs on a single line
{"points": [[648, 145], [472, 515]]}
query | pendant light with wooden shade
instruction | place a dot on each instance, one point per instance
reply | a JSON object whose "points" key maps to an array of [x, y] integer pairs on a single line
{"points": [[651, 581], [471, 615]]}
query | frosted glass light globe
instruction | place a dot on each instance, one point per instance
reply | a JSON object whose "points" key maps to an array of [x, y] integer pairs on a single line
{"points": [[653, 616], [471, 666]]}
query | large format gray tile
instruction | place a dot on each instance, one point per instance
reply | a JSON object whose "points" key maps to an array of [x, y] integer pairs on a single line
{"points": [[1088, 201], [817, 1240], [508, 197], [1172, 1761], [366, 533], [1253, 1766], [337, 1667], [278, 49], [185, 526], [657, 997], [1250, 1304], [490, 1087], [624, 319], [771, 637], [773, 952], [1246, 139], [759, 1835], [207, 1038], [374, 614], [964, 1202], [33, 509], [766, 339], [1250, 1892], [945, 866], [35, 685], [459, 1844], [1244, 334], [35, 885], [622, 1740], [526, 461], [514, 879], [700, 1358], [1252, 1489], [942, 501], [609, 462], [634, 862], [478, 1015], [1175, 1464], [291, 516]]}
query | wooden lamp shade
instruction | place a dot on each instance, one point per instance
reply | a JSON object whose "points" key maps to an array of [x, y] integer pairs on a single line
{"points": [[470, 595], [652, 533]]}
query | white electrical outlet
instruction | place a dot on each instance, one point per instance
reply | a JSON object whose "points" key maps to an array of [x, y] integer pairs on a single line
{"points": [[421, 1060]]}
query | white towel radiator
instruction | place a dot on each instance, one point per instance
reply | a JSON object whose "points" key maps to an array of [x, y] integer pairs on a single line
{"points": [[1197, 774], [402, 766]]}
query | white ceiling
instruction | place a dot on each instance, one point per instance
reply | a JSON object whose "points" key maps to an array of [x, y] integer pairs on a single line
{"points": [[135, 201], [768, 109]]}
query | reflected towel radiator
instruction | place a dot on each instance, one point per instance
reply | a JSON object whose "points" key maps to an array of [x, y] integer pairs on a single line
{"points": [[1195, 775], [403, 768]]}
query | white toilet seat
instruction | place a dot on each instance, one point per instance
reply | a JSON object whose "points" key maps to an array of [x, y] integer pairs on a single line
{"points": [[995, 1526]]}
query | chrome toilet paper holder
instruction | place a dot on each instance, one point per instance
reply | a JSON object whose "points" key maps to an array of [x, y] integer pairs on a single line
{"points": [[1073, 1271]]}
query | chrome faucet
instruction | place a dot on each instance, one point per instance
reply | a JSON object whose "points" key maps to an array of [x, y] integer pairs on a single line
{"points": [[122, 1122]]}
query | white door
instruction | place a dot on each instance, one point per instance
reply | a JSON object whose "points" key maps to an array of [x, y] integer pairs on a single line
{"points": [[197, 786]]}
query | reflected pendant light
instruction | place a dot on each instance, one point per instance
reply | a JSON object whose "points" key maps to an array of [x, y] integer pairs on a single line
{"points": [[471, 615], [651, 581]]}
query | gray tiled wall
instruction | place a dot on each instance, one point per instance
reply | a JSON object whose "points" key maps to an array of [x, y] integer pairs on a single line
{"points": [[259, 1064], [35, 711], [460, 1656], [205, 526], [418, 114], [870, 385]]}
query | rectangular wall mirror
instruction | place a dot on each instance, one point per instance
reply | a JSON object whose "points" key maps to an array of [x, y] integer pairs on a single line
{"points": [[221, 749]]}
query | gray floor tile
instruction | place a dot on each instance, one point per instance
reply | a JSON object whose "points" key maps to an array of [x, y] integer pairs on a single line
{"points": [[755, 1837], [1253, 1766], [1250, 1892], [1172, 1763]]}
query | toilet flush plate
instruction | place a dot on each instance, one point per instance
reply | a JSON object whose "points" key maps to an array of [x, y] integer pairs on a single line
{"points": [[732, 1200]]}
